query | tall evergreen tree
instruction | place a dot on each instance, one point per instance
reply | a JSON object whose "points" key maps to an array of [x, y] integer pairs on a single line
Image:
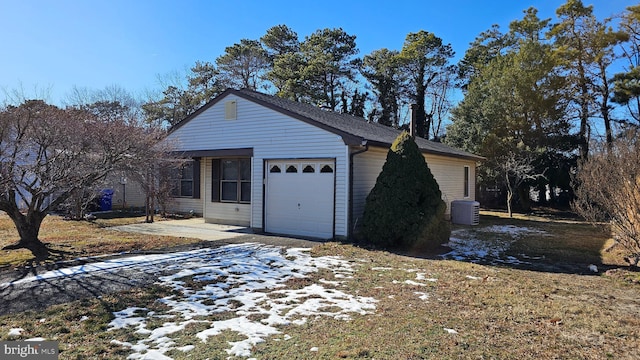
{"points": [[382, 69], [174, 105], [180, 100], [287, 77], [627, 83], [280, 40], [424, 57], [204, 83], [515, 104], [328, 64], [572, 50], [285, 73], [484, 48], [243, 65], [602, 41]]}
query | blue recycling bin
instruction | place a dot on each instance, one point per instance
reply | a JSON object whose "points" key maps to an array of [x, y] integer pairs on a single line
{"points": [[106, 199]]}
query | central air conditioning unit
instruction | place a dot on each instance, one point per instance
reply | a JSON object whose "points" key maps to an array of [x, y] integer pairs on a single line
{"points": [[465, 212]]}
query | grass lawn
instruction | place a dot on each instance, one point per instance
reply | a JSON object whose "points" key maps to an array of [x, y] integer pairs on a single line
{"points": [[81, 238], [427, 307]]}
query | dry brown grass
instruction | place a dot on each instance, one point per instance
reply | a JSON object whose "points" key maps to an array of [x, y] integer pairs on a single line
{"points": [[499, 313], [82, 238], [496, 312], [567, 240]]}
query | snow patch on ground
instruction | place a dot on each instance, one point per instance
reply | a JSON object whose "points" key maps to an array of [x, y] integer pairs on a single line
{"points": [[15, 332], [414, 283], [423, 277], [512, 230], [244, 279], [467, 247], [381, 268], [248, 281]]}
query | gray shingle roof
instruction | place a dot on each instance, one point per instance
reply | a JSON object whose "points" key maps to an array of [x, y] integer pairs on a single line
{"points": [[353, 130]]}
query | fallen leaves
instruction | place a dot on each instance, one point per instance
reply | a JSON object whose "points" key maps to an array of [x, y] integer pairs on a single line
{"points": [[555, 321]]}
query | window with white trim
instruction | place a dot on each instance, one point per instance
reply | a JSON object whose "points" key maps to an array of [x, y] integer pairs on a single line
{"points": [[231, 180]]}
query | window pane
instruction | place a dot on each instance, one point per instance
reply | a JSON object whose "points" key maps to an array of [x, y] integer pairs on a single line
{"points": [[245, 192], [245, 169], [229, 170], [186, 188], [326, 169], [187, 171], [230, 191], [466, 181], [309, 169], [292, 169], [275, 169]]}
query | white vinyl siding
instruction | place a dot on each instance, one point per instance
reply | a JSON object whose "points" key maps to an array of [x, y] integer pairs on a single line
{"points": [[126, 195], [220, 212], [366, 168], [448, 172], [185, 205], [271, 135]]}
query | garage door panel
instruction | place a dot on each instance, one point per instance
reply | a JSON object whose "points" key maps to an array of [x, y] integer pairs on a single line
{"points": [[301, 202]]}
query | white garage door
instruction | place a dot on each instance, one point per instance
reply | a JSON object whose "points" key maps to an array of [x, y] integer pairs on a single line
{"points": [[299, 197]]}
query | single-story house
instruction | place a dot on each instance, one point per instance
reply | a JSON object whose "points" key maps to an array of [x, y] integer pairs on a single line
{"points": [[127, 193], [285, 167]]}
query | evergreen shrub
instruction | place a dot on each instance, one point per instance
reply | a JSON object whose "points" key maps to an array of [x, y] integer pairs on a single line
{"points": [[405, 210]]}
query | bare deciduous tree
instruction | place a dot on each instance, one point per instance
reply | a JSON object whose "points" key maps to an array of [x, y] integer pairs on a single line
{"points": [[516, 167], [608, 189], [48, 154]]}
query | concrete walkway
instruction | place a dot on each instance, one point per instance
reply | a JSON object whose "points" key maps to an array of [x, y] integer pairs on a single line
{"points": [[192, 228]]}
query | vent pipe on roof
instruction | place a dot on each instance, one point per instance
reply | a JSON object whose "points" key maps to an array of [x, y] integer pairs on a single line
{"points": [[412, 120]]}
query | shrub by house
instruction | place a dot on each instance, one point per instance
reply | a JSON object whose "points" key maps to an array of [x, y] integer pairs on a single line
{"points": [[405, 209]]}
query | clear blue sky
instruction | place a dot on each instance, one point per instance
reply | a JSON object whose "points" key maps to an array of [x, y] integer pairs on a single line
{"points": [[96, 43]]}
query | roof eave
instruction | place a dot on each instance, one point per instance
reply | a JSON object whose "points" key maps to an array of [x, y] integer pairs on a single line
{"points": [[347, 138], [473, 157]]}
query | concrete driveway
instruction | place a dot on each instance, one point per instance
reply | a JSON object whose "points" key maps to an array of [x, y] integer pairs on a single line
{"points": [[230, 234], [191, 228]]}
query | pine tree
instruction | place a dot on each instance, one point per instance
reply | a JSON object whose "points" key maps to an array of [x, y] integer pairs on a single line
{"points": [[405, 209]]}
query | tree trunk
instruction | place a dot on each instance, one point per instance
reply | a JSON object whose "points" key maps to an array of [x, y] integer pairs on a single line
{"points": [[28, 226], [421, 119], [584, 112], [509, 199], [607, 125], [421, 115], [147, 215], [542, 194], [509, 194], [525, 200]]}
